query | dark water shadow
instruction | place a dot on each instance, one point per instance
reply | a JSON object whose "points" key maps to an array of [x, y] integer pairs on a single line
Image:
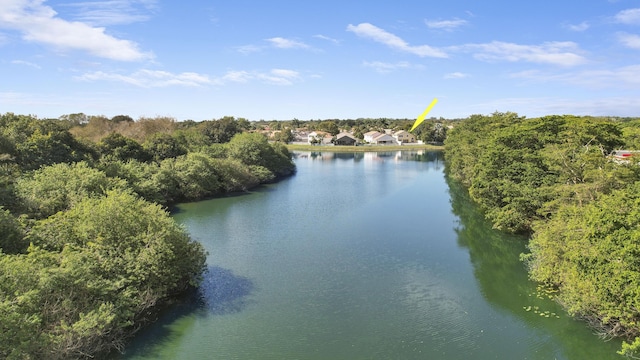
{"points": [[220, 293], [177, 209]]}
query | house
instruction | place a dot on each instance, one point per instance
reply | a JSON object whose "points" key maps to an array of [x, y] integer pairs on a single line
{"points": [[313, 137], [319, 138], [384, 139], [369, 136], [625, 156], [345, 139], [404, 137]]}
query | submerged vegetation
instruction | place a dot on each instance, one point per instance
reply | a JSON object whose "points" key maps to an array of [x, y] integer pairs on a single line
{"points": [[554, 179], [88, 251]]}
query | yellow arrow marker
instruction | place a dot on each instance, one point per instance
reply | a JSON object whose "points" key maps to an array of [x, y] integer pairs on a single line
{"points": [[420, 118]]}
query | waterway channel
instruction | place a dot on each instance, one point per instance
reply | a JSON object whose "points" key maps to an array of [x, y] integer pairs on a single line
{"points": [[361, 256]]}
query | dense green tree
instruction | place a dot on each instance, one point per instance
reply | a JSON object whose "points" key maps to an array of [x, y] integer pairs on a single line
{"points": [[50, 148], [191, 138], [7, 149], [163, 146], [518, 169], [92, 272], [59, 187], [330, 126], [151, 181], [101, 259], [194, 175], [31, 142], [244, 124], [233, 175], [217, 151], [552, 176], [284, 136], [631, 134], [295, 123], [122, 118], [220, 131], [358, 134], [275, 125], [122, 148], [591, 253], [249, 148], [253, 149], [11, 234], [9, 172]]}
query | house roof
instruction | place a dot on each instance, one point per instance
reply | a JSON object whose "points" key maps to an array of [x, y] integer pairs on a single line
{"points": [[319, 133], [341, 135], [383, 137], [372, 133], [401, 132]]}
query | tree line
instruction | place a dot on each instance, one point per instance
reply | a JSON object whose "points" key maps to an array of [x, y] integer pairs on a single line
{"points": [[553, 178], [433, 130], [88, 251]]}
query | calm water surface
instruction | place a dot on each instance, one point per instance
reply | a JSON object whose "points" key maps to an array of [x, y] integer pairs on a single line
{"points": [[361, 256]]}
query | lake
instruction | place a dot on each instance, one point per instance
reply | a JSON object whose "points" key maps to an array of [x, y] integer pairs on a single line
{"points": [[361, 256]]}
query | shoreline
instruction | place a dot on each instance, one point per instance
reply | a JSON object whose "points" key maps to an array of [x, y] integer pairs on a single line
{"points": [[361, 148]]}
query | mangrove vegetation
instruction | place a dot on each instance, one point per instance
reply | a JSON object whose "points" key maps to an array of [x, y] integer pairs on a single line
{"points": [[88, 250], [554, 179]]}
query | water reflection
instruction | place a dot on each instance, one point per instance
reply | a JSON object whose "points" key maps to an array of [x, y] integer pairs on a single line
{"points": [[360, 256], [428, 156], [504, 282]]}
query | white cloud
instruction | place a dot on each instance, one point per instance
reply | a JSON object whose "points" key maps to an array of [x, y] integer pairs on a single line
{"points": [[629, 17], [447, 25], [151, 78], [237, 76], [14, 98], [156, 78], [629, 40], [578, 27], [323, 37], [274, 76], [283, 43], [622, 77], [456, 75], [532, 107], [26, 63], [39, 23], [248, 49], [279, 77], [555, 53], [276, 42], [384, 68], [113, 12], [285, 73], [377, 34]]}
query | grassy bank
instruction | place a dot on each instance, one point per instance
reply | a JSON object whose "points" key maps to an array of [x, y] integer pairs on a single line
{"points": [[362, 148]]}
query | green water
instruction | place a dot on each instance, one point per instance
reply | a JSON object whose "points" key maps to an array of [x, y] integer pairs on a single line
{"points": [[361, 256]]}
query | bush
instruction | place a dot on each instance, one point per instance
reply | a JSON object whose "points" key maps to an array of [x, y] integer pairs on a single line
{"points": [[11, 234], [59, 187], [92, 272]]}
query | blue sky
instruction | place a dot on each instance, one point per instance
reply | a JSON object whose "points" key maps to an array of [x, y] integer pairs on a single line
{"points": [[319, 59]]}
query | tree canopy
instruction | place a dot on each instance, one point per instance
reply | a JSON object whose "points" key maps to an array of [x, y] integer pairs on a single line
{"points": [[88, 251], [552, 177]]}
